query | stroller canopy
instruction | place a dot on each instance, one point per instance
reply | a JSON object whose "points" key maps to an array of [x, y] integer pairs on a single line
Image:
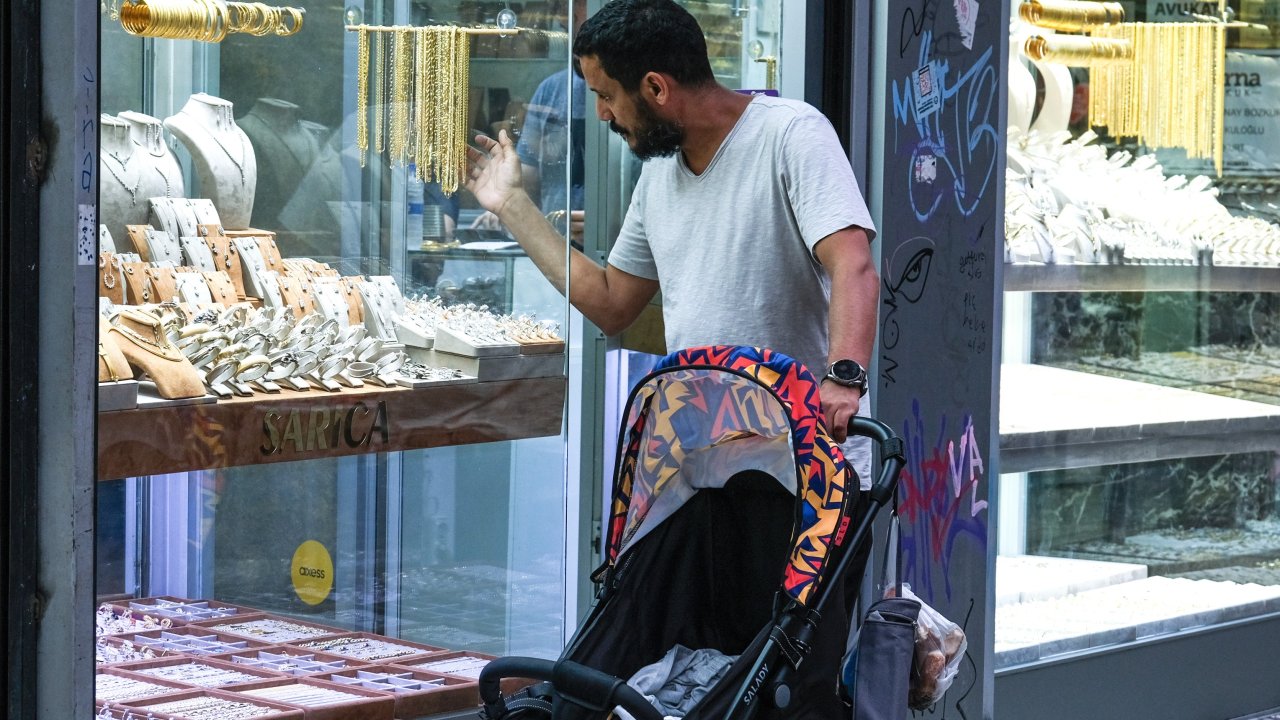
{"points": [[705, 414]]}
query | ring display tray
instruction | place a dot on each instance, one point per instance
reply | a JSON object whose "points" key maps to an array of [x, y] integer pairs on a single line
{"points": [[192, 672], [119, 395], [181, 610], [290, 660], [416, 693], [454, 342], [230, 706], [190, 640], [268, 628], [413, 335], [368, 647], [486, 369], [414, 384], [112, 685], [321, 699]]}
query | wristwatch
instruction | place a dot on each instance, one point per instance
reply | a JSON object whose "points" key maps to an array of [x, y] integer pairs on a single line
{"points": [[848, 373]]}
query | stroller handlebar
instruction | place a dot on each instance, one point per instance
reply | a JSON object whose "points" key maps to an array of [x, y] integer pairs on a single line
{"points": [[585, 686], [892, 455]]}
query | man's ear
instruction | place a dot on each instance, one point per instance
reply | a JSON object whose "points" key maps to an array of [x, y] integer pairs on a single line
{"points": [[657, 87]]}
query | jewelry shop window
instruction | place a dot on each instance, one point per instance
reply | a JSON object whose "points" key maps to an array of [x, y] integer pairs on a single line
{"points": [[331, 458], [1140, 393]]}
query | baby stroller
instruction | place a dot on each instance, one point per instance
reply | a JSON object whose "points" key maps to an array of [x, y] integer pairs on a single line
{"points": [[732, 530]]}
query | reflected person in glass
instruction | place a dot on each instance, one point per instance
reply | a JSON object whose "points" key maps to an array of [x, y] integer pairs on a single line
{"points": [[553, 119]]}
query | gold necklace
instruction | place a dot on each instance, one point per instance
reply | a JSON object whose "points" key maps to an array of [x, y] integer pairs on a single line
{"points": [[401, 57], [156, 347], [379, 92], [362, 93]]}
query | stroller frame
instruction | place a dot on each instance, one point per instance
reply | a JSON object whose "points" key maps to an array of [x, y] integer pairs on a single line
{"points": [[792, 629]]}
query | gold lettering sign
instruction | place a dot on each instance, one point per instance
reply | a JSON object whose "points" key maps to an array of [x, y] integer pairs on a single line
{"points": [[301, 431]]}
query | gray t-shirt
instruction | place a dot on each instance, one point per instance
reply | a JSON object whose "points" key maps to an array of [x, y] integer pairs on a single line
{"points": [[732, 248]]}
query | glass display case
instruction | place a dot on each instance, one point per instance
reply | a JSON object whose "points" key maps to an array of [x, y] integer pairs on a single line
{"points": [[1140, 397], [332, 464]]}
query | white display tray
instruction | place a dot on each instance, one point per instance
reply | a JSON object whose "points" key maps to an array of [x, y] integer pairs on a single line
{"points": [[414, 384], [120, 395], [486, 369], [454, 342], [149, 397], [412, 337]]}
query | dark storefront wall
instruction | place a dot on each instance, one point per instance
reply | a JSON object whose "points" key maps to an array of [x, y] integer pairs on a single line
{"points": [[19, 212]]}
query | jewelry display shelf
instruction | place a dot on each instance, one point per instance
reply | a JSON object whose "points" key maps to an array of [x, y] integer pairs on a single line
{"points": [[295, 426], [1022, 277], [1056, 419]]}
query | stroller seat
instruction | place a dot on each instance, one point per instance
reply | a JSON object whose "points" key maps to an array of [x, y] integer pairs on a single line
{"points": [[730, 530]]}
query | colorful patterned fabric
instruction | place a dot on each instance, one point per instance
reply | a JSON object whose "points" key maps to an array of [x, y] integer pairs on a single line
{"points": [[693, 407]]}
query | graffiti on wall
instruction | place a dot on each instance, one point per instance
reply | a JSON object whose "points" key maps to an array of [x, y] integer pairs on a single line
{"points": [[945, 127], [941, 501]]}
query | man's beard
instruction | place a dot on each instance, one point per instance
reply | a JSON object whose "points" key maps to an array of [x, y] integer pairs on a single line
{"points": [[654, 137]]}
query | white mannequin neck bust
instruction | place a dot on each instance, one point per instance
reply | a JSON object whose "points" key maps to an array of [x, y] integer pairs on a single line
{"points": [[148, 133], [223, 157], [124, 179]]}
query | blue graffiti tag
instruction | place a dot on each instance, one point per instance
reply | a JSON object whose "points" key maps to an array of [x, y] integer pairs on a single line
{"points": [[939, 107]]}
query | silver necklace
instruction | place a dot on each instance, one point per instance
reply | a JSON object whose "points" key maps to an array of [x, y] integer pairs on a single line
{"points": [[168, 192], [213, 134], [133, 193]]}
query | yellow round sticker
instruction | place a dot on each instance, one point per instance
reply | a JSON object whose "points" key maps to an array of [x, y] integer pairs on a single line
{"points": [[312, 572]]}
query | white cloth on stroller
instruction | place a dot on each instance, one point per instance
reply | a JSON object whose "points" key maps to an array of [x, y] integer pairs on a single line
{"points": [[676, 683]]}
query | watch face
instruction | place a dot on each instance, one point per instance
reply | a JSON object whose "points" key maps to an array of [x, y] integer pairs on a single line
{"points": [[847, 370]]}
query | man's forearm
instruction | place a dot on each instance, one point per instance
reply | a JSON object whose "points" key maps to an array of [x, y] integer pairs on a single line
{"points": [[855, 293], [587, 285]]}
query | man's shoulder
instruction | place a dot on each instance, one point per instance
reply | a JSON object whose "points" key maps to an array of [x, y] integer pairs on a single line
{"points": [[780, 110]]}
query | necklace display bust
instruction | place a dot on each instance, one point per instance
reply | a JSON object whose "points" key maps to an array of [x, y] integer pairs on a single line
{"points": [[287, 150], [123, 177], [148, 134], [222, 155]]}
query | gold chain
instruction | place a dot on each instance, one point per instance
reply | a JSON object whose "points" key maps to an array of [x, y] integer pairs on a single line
{"points": [[362, 94], [425, 76], [1140, 99], [401, 56], [379, 92]]}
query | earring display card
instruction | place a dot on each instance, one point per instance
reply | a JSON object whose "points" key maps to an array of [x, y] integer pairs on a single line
{"points": [[197, 253], [193, 289], [164, 247], [390, 290], [252, 264], [105, 242], [205, 212]]}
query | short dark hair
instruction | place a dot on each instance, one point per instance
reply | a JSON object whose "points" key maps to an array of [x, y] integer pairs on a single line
{"points": [[630, 38]]}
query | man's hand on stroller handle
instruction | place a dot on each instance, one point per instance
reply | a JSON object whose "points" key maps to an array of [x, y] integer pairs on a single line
{"points": [[839, 406]]}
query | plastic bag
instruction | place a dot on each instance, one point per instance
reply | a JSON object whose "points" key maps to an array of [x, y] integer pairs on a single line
{"points": [[940, 646]]}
